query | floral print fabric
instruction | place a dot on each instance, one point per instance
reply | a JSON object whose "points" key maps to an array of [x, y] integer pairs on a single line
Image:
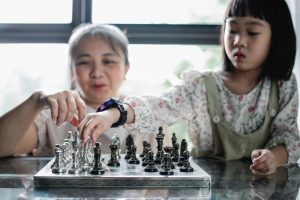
{"points": [[245, 113]]}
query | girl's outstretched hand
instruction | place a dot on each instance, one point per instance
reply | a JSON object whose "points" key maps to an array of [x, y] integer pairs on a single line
{"points": [[263, 162], [65, 106], [95, 124]]}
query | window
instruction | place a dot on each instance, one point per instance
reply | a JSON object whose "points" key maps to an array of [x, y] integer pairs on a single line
{"points": [[36, 11]]}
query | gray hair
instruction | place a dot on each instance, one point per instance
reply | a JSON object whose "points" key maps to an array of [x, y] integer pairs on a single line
{"points": [[110, 33]]}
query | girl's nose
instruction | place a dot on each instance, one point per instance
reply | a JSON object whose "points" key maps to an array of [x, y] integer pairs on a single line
{"points": [[240, 41]]}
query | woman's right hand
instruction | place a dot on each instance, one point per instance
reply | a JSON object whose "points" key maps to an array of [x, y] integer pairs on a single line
{"points": [[65, 106]]}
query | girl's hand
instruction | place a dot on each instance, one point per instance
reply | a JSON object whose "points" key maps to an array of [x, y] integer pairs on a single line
{"points": [[95, 124], [264, 162], [65, 106]]}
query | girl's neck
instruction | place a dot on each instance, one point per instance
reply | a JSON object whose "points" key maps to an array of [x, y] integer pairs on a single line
{"points": [[241, 82]]}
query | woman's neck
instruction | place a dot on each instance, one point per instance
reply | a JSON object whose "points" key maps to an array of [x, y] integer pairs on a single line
{"points": [[241, 82]]}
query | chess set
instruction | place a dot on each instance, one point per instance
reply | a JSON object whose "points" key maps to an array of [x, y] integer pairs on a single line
{"points": [[77, 165]]}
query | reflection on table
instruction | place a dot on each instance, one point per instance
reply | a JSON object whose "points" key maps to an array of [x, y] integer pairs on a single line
{"points": [[230, 180]]}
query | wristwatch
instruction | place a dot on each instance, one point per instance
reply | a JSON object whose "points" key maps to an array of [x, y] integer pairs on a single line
{"points": [[115, 103]]}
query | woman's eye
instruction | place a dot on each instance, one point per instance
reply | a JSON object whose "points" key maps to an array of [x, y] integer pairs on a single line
{"points": [[83, 64], [107, 62]]}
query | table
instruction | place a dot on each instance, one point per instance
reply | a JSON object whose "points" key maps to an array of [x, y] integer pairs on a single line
{"points": [[230, 180]]}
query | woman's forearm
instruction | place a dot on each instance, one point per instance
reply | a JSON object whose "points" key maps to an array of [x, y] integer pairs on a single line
{"points": [[15, 123]]}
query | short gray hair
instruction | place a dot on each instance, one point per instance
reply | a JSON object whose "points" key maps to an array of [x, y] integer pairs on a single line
{"points": [[110, 33]]}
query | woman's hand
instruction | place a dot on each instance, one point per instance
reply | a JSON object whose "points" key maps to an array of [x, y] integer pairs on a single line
{"points": [[65, 106], [264, 162], [95, 124]]}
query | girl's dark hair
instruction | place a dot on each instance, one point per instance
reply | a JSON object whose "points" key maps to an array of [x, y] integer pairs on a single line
{"points": [[280, 61]]}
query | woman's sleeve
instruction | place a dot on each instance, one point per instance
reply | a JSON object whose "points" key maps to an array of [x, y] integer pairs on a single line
{"points": [[42, 122], [284, 127], [166, 109]]}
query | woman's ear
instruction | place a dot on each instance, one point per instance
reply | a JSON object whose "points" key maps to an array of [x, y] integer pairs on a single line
{"points": [[127, 68]]}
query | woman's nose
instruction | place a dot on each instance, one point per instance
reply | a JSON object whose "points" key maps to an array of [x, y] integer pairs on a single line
{"points": [[97, 70]]}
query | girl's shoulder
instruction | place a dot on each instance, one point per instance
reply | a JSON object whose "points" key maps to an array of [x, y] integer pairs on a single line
{"points": [[288, 85], [193, 75]]}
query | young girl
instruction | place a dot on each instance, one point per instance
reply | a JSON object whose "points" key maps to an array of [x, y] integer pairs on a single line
{"points": [[249, 109]]}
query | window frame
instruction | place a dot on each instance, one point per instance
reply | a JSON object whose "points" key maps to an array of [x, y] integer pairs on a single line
{"points": [[137, 33]]}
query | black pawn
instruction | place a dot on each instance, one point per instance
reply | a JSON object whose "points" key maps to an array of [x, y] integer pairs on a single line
{"points": [[183, 147], [168, 162], [151, 167], [113, 156], [186, 164], [145, 144], [174, 139], [129, 143], [166, 170], [146, 157], [133, 159], [175, 157], [97, 169]]}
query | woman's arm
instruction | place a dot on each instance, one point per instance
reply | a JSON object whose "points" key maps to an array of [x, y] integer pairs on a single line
{"points": [[17, 132]]}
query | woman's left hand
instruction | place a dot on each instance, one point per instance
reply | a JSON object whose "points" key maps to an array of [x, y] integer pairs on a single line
{"points": [[263, 162]]}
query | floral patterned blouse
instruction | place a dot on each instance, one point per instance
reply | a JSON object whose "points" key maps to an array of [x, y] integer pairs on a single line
{"points": [[187, 101]]}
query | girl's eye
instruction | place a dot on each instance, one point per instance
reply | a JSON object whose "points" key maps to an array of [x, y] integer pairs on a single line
{"points": [[252, 33], [232, 31]]}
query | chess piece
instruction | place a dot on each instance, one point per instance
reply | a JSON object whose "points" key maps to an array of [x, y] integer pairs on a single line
{"points": [[116, 141], [145, 144], [167, 162], [146, 157], [58, 166], [175, 157], [76, 168], [97, 169], [113, 156], [167, 169], [183, 147], [174, 139], [129, 143], [133, 159], [186, 164], [151, 167], [87, 155], [160, 154]]}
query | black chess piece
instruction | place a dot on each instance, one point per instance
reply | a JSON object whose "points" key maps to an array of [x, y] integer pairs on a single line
{"points": [[145, 144], [160, 154], [175, 157], [174, 139], [151, 167], [167, 169], [186, 164], [133, 159], [129, 143], [183, 147], [146, 157], [97, 169], [113, 156], [167, 161]]}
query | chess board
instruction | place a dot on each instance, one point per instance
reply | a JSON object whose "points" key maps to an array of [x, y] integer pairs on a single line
{"points": [[126, 176]]}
